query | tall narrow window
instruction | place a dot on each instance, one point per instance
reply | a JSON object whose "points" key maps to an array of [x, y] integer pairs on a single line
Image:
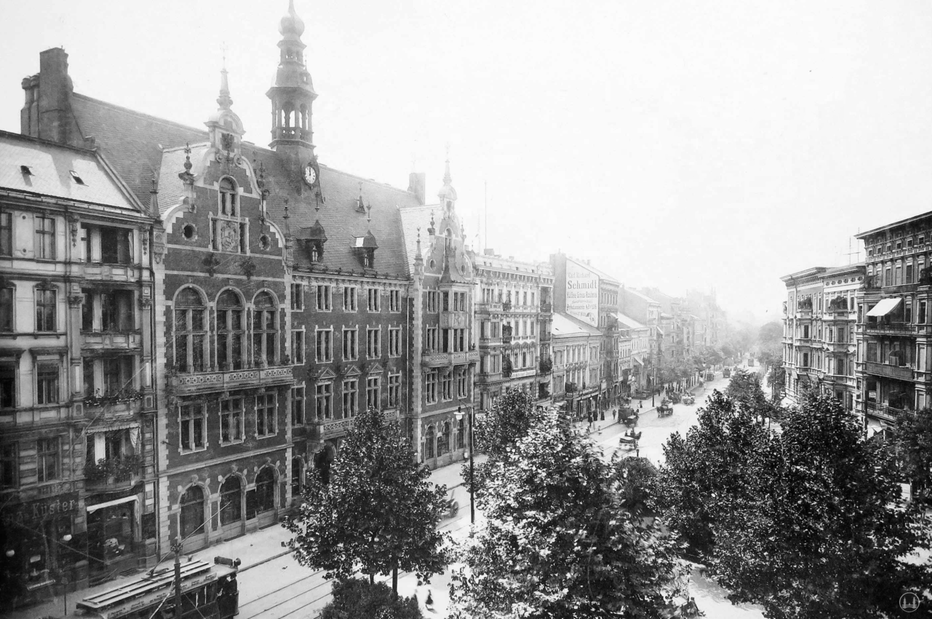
{"points": [[264, 330], [230, 331], [265, 415], [190, 332], [118, 374], [394, 301], [446, 384], [231, 420], [324, 346], [47, 459], [192, 424], [297, 406], [116, 311], [372, 295], [9, 466], [324, 298], [231, 500], [297, 296], [45, 309], [297, 346], [6, 233], [350, 347], [462, 382], [430, 387], [323, 399], [373, 392], [6, 309], [47, 382], [7, 383], [228, 198], [394, 341], [115, 246], [45, 237], [350, 398], [373, 343], [394, 390], [349, 298]]}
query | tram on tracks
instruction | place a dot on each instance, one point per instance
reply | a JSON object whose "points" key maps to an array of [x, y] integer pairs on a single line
{"points": [[208, 591]]}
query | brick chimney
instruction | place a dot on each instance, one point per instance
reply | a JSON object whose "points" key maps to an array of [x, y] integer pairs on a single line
{"points": [[417, 184], [47, 113]]}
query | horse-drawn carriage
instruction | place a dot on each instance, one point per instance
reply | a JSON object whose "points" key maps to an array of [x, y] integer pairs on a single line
{"points": [[665, 409], [629, 440], [628, 416], [689, 399]]}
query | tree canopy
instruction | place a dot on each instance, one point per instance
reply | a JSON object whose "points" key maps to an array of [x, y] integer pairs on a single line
{"points": [[912, 439], [379, 512], [807, 522], [559, 542]]}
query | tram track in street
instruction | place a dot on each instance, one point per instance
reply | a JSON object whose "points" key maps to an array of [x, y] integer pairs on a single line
{"points": [[452, 527]]}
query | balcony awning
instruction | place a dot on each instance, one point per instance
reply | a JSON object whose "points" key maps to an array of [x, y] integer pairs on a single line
{"points": [[637, 360], [126, 499], [884, 307]]}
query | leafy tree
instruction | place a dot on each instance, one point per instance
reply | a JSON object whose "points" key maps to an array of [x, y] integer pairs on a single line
{"points": [[558, 541], [715, 467], [356, 598], [912, 439], [635, 479], [745, 390], [826, 531], [770, 343], [379, 511]]}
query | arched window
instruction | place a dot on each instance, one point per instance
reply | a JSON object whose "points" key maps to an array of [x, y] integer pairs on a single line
{"points": [[228, 198], [192, 512], [231, 500], [288, 112], [230, 331], [264, 330], [265, 489], [303, 117], [190, 331], [429, 442]]}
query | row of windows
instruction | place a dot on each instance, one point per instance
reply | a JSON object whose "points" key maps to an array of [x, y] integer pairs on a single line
{"points": [[439, 385], [48, 461], [44, 228], [350, 346], [445, 340], [498, 295], [192, 421], [323, 397], [351, 298], [46, 308], [446, 301]]}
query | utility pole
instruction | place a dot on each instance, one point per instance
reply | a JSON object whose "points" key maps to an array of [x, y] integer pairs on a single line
{"points": [[177, 548]]}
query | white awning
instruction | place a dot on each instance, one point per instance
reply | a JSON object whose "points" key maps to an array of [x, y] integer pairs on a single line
{"points": [[637, 359], [126, 499], [884, 307]]}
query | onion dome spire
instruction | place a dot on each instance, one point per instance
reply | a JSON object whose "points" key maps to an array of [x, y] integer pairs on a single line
{"points": [[291, 26]]}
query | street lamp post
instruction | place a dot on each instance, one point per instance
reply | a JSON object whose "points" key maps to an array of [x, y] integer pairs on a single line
{"points": [[64, 576], [472, 507]]}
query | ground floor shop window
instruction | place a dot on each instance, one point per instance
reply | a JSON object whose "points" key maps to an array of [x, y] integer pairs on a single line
{"points": [[110, 536]]}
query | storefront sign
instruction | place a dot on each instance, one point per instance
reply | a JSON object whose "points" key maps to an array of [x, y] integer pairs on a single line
{"points": [[582, 293], [37, 511]]}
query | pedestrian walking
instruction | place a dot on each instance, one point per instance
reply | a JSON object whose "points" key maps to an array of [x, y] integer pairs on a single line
{"points": [[614, 415], [602, 415]]}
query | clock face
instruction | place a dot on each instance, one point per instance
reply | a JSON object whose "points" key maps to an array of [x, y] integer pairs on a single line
{"points": [[310, 174]]}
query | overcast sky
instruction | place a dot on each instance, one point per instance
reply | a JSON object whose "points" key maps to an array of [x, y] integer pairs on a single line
{"points": [[716, 144]]}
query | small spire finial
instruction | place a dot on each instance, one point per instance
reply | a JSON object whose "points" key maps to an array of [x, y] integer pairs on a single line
{"points": [[186, 177], [369, 213], [224, 100]]}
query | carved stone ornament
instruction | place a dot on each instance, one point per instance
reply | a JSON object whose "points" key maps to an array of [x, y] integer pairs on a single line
{"points": [[75, 300], [229, 236]]}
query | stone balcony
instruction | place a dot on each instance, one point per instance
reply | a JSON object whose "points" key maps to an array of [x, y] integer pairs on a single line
{"points": [[96, 271], [488, 308], [331, 428], [898, 372], [447, 359], [190, 384], [111, 340]]}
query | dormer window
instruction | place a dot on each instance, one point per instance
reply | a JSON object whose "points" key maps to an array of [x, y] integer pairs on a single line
{"points": [[365, 247], [316, 251], [368, 259]]}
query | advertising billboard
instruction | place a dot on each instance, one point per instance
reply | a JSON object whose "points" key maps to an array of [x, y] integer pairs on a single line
{"points": [[582, 293]]}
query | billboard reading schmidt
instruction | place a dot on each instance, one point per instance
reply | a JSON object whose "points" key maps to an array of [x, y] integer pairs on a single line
{"points": [[582, 293]]}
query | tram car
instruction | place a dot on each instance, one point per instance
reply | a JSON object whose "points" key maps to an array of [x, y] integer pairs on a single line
{"points": [[208, 591]]}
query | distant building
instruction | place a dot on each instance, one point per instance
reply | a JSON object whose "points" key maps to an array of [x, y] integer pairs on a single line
{"points": [[819, 332], [577, 365], [513, 314]]}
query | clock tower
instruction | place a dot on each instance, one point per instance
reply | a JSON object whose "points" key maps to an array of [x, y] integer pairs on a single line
{"points": [[292, 96]]}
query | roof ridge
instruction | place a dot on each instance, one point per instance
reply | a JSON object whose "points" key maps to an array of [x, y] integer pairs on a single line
{"points": [[29, 138]]}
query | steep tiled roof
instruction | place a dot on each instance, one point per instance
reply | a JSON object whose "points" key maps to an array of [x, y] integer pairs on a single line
{"points": [[567, 325], [131, 141], [50, 172], [413, 217]]}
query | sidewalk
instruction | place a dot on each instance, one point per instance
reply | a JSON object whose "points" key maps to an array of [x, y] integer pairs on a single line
{"points": [[255, 548]]}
